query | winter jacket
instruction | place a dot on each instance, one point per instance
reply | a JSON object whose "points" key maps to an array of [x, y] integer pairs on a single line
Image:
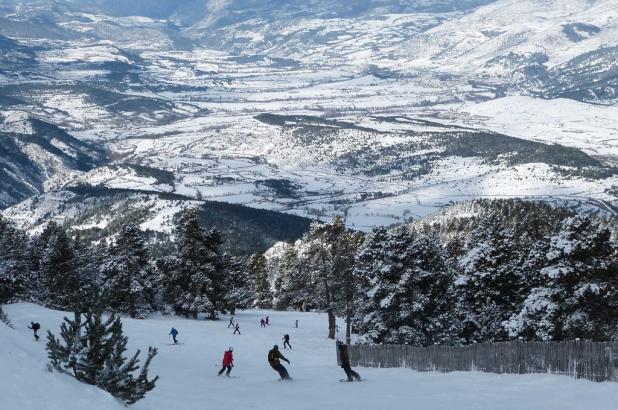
{"points": [[274, 356], [174, 332], [228, 358], [344, 356]]}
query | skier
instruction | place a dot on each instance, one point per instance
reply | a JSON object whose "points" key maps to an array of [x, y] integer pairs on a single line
{"points": [[262, 322], [274, 357], [231, 323], [345, 362], [237, 329], [296, 324], [35, 328], [228, 362], [267, 321], [174, 333], [286, 341]]}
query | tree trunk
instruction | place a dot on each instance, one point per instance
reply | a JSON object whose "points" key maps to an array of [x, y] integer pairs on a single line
{"points": [[332, 323], [348, 326]]}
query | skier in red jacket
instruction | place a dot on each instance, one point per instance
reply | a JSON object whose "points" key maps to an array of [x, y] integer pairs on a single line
{"points": [[228, 362]]}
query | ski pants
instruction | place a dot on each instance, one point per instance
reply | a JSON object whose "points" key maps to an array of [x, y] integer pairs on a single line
{"points": [[349, 372], [174, 337], [229, 369], [283, 373], [287, 343]]}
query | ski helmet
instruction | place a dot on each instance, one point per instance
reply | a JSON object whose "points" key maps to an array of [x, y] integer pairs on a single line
{"points": [[231, 349]]}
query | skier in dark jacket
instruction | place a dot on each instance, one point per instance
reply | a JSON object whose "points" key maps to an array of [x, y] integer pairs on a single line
{"points": [[274, 357], [262, 323], [174, 333], [237, 329], [286, 342], [231, 322], [228, 362], [344, 356], [35, 328]]}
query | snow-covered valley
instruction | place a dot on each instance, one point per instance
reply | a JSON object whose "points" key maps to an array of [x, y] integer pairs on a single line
{"points": [[188, 377], [381, 103]]}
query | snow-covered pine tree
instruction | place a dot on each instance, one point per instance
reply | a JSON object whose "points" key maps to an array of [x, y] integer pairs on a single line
{"points": [[14, 267], [328, 256], [195, 278], [291, 289], [261, 286], [88, 262], [91, 348], [579, 297], [239, 284], [409, 297], [129, 278], [4, 318], [491, 281], [57, 270]]}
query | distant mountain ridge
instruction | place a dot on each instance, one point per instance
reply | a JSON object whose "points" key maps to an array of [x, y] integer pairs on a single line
{"points": [[382, 110]]}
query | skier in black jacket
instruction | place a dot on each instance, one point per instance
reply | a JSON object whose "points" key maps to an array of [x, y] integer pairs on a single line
{"points": [[286, 342], [344, 356], [274, 357], [35, 328]]}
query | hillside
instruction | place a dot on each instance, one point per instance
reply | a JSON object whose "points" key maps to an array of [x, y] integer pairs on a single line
{"points": [[188, 372], [379, 110], [99, 213]]}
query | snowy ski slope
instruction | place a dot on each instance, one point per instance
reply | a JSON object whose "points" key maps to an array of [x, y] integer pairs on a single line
{"points": [[189, 382]]}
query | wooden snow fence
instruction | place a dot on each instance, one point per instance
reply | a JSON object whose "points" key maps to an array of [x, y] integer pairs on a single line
{"points": [[583, 360]]}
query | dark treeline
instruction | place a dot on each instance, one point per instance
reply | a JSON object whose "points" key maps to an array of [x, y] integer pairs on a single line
{"points": [[477, 272], [481, 271], [60, 272]]}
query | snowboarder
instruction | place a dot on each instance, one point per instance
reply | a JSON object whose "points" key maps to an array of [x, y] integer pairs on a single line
{"points": [[35, 328], [231, 323], [237, 329], [228, 362], [274, 357], [262, 322], [345, 362], [174, 333], [267, 321], [286, 341]]}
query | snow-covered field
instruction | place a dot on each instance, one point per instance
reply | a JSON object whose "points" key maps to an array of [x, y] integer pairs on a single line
{"points": [[188, 373]]}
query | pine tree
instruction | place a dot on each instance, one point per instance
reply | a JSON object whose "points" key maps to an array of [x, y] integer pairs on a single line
{"points": [[129, 278], [57, 270], [92, 349], [261, 286], [408, 295], [239, 288], [4, 318], [88, 263], [194, 279], [328, 258], [491, 281], [294, 286], [579, 295], [14, 272]]}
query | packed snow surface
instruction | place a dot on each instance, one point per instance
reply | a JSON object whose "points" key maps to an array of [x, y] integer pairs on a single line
{"points": [[188, 372]]}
